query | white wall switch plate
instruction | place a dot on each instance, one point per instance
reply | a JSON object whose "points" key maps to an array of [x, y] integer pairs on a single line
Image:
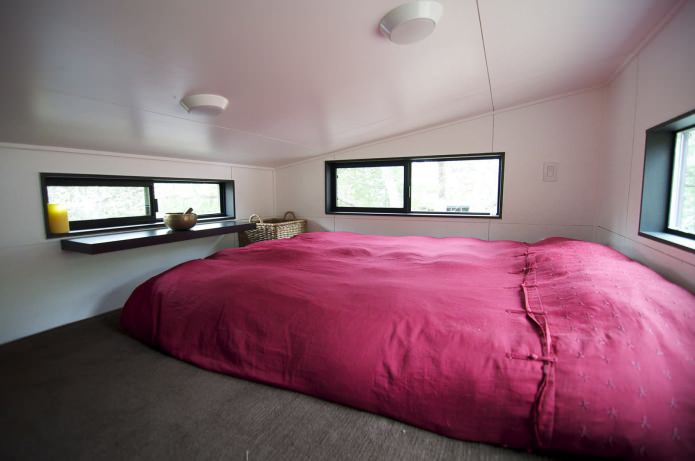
{"points": [[551, 171]]}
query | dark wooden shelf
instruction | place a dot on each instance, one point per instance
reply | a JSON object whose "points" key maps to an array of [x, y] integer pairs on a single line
{"points": [[135, 239]]}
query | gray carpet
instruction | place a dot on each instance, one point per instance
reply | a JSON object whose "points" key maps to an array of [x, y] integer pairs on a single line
{"points": [[88, 391]]}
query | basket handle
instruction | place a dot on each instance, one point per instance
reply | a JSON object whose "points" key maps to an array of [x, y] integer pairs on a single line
{"points": [[294, 217], [255, 216]]}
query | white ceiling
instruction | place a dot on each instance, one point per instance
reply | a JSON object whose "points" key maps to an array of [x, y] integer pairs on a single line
{"points": [[303, 77]]}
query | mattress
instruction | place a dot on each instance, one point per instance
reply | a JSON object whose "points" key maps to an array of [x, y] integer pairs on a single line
{"points": [[557, 346]]}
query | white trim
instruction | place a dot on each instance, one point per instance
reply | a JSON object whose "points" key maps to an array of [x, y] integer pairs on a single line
{"points": [[567, 94], [71, 150], [405, 218], [646, 40], [652, 245], [440, 219], [632, 146]]}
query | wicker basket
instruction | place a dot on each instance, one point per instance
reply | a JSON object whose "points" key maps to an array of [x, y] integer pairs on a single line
{"points": [[273, 228]]}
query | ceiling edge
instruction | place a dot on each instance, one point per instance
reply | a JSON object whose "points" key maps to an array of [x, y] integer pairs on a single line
{"points": [[646, 40], [442, 125], [71, 150], [178, 117], [405, 134]]}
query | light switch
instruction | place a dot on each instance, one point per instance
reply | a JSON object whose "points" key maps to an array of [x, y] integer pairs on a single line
{"points": [[551, 171]]}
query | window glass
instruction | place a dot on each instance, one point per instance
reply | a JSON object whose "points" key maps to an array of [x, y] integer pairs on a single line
{"points": [[455, 186], [682, 209], [174, 197], [105, 201], [467, 184], [101, 202], [370, 187]]}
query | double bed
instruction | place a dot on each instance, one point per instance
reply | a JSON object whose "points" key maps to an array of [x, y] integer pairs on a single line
{"points": [[557, 346]]}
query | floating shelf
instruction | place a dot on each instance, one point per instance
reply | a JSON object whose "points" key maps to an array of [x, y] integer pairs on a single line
{"points": [[135, 239]]}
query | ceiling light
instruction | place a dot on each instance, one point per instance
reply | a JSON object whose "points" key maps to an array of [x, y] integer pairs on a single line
{"points": [[211, 104], [411, 22]]}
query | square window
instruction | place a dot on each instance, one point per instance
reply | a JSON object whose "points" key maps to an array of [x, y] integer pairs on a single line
{"points": [[86, 203], [370, 187], [173, 197], [456, 186]]}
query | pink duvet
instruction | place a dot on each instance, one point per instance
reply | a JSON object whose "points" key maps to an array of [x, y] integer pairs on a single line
{"points": [[557, 346]]}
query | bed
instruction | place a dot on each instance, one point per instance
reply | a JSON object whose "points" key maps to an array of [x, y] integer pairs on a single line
{"points": [[557, 346]]}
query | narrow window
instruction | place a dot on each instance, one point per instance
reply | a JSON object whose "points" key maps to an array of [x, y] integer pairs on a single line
{"points": [[682, 207], [667, 212], [456, 185], [112, 202]]}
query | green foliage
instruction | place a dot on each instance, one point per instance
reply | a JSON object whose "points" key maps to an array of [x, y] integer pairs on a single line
{"points": [[178, 197], [437, 186], [370, 187], [100, 202], [459, 185], [103, 202]]}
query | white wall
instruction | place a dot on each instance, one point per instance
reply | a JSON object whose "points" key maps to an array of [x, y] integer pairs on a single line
{"points": [[561, 130], [42, 287], [657, 85]]}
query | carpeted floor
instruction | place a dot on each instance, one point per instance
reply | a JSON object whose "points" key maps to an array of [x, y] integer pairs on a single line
{"points": [[88, 391]]}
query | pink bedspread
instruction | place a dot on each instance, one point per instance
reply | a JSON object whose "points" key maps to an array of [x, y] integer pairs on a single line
{"points": [[560, 345]]}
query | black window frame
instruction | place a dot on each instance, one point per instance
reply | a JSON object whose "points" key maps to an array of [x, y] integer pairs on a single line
{"points": [[657, 183], [361, 164], [331, 167], [227, 197]]}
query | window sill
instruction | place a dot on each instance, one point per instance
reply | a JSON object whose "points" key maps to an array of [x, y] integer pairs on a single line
{"points": [[683, 243], [416, 215], [135, 227], [104, 243]]}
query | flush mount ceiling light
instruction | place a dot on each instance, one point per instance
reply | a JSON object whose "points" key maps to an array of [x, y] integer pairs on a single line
{"points": [[211, 104], [411, 22]]}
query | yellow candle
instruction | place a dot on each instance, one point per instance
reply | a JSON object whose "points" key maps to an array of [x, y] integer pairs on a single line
{"points": [[58, 219]]}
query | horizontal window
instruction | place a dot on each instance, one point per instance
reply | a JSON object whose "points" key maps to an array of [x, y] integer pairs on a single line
{"points": [[105, 202], [465, 185], [668, 185]]}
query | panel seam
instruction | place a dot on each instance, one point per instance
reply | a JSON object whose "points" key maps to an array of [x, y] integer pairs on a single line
{"points": [[487, 67], [632, 149]]}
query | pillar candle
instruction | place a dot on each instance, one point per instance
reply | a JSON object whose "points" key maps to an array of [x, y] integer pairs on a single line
{"points": [[58, 219]]}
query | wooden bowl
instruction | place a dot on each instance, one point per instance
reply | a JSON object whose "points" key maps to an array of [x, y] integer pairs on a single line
{"points": [[180, 221]]}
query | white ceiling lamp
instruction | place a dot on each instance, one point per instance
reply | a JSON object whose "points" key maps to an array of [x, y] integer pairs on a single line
{"points": [[210, 104], [411, 22]]}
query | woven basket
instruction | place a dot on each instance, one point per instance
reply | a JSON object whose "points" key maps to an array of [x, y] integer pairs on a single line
{"points": [[272, 229]]}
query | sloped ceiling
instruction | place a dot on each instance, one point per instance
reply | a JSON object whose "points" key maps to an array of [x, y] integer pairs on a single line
{"points": [[303, 77]]}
